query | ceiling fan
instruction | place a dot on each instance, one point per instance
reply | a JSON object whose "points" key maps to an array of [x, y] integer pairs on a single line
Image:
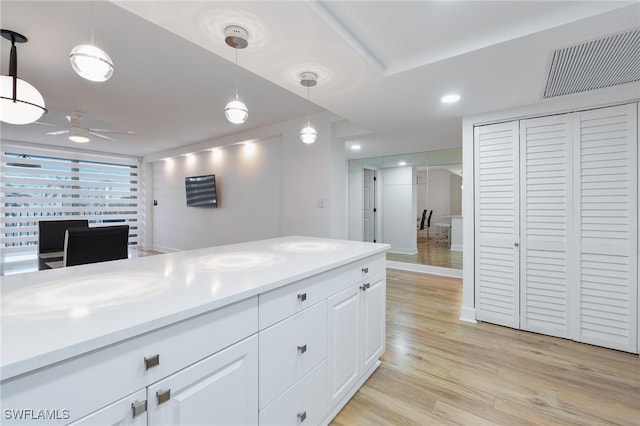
{"points": [[79, 132]]}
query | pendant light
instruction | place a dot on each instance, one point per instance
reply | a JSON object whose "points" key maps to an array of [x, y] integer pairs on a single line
{"points": [[308, 134], [91, 62], [236, 111], [20, 102]]}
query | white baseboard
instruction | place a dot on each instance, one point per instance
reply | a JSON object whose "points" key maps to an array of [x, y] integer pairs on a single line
{"points": [[468, 315], [403, 250], [425, 269], [163, 249]]}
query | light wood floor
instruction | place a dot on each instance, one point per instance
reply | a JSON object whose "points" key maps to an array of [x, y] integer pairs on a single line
{"points": [[430, 254], [438, 370]]}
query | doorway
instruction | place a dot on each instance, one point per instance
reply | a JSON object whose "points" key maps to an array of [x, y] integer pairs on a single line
{"points": [[369, 205]]}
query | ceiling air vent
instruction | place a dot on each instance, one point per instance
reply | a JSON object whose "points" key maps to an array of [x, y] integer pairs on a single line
{"points": [[595, 64]]}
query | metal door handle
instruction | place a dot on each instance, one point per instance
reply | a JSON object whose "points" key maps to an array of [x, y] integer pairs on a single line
{"points": [[365, 270], [302, 348], [163, 396], [302, 415], [138, 408], [516, 244], [302, 297], [152, 361]]}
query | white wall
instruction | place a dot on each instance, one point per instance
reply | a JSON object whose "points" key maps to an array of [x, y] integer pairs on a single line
{"points": [[439, 196], [249, 188], [356, 200], [311, 195], [398, 207]]}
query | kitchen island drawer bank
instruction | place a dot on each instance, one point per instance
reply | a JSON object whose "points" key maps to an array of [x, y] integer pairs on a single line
{"points": [[150, 340]]}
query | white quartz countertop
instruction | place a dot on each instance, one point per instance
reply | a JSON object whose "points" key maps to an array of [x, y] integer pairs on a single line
{"points": [[49, 316]]}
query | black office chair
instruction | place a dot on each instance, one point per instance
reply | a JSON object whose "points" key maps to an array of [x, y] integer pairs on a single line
{"points": [[51, 233], [93, 245]]}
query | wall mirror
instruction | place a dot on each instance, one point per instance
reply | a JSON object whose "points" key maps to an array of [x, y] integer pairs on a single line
{"points": [[412, 202]]}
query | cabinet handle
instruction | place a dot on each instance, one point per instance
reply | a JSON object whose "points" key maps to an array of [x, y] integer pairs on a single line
{"points": [[365, 270], [302, 415], [152, 361], [138, 408], [516, 244], [302, 348], [163, 396], [365, 287], [302, 297]]}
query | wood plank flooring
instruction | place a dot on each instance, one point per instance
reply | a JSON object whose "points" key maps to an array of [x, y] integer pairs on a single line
{"points": [[438, 370], [430, 254]]}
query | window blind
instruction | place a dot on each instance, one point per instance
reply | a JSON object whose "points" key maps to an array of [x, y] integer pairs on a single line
{"points": [[40, 183]]}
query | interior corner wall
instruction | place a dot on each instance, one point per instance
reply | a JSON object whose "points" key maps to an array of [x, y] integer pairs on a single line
{"points": [[399, 207], [249, 190], [313, 182], [356, 200]]}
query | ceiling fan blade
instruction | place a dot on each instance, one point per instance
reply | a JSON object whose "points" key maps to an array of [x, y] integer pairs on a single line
{"points": [[44, 124], [59, 132], [112, 131], [98, 135]]}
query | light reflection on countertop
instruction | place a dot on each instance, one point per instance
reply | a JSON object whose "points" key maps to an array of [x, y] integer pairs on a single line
{"points": [[308, 247], [236, 261], [77, 298]]}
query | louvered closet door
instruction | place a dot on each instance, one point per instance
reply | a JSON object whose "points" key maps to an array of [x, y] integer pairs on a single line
{"points": [[606, 196], [545, 209], [497, 223]]}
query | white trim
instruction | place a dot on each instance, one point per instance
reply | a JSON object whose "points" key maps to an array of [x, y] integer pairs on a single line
{"points": [[402, 250], [468, 315], [456, 247], [425, 269]]}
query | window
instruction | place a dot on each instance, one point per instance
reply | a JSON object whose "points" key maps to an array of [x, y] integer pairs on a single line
{"points": [[41, 183]]}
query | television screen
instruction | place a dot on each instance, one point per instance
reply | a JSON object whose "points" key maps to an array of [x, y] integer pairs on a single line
{"points": [[201, 191]]}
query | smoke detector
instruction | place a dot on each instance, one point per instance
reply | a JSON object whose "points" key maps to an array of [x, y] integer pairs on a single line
{"points": [[235, 36]]}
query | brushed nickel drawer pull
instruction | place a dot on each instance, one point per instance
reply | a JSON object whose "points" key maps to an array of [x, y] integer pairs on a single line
{"points": [[365, 287], [138, 408], [163, 396], [365, 270], [302, 297], [302, 349], [302, 415], [152, 361]]}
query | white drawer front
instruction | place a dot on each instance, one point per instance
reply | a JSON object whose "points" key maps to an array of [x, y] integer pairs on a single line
{"points": [[120, 413], [373, 266], [83, 384], [304, 400], [283, 302], [290, 349]]}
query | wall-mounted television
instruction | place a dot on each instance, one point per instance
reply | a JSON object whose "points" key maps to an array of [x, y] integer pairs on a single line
{"points": [[201, 191]]}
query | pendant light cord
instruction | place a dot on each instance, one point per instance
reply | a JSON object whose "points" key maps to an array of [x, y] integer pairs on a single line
{"points": [[236, 49], [92, 37], [308, 107]]}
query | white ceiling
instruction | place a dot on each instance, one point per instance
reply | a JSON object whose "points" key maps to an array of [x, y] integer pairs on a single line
{"points": [[383, 65]]}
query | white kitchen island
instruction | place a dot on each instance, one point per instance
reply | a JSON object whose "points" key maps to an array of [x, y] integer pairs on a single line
{"points": [[281, 331]]}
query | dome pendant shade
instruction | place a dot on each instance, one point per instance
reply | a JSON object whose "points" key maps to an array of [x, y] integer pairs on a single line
{"points": [[236, 112], [308, 135], [20, 102], [91, 62], [28, 105]]}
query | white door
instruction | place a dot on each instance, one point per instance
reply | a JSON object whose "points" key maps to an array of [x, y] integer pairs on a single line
{"points": [[369, 201], [546, 224], [607, 226], [129, 411], [219, 390], [497, 289], [343, 346], [372, 317]]}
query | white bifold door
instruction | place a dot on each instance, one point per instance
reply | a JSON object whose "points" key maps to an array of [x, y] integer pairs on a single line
{"points": [[556, 202]]}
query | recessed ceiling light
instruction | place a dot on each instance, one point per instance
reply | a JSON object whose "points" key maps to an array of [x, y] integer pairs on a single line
{"points": [[402, 163], [355, 147], [451, 98]]}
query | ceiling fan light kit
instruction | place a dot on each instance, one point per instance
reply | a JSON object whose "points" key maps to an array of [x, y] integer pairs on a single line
{"points": [[236, 37], [79, 134], [20, 102], [308, 134]]}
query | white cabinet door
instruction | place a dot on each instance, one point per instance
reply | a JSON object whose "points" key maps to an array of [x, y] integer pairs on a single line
{"points": [[607, 226], [219, 390], [546, 231], [373, 312], [343, 345], [120, 413], [497, 287]]}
